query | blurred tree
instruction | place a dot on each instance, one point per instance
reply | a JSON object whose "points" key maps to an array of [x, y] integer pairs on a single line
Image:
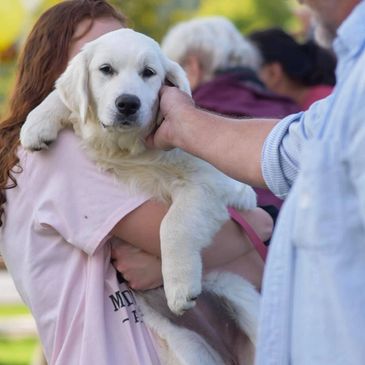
{"points": [[154, 17], [44, 5], [12, 16], [249, 15]]}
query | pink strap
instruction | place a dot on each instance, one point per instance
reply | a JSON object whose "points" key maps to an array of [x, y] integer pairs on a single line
{"points": [[252, 235]]}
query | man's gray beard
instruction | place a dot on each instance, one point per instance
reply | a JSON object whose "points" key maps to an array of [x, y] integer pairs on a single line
{"points": [[322, 34]]}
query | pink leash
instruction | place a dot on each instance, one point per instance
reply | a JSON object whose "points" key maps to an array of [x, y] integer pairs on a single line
{"points": [[260, 247]]}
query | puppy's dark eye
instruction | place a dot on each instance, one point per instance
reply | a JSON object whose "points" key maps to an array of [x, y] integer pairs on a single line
{"points": [[148, 72], [106, 69]]}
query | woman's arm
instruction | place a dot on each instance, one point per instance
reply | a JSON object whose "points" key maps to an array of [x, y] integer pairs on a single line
{"points": [[141, 229]]}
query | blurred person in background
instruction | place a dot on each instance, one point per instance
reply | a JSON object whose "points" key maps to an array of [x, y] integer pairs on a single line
{"points": [[222, 67], [62, 219], [304, 72]]}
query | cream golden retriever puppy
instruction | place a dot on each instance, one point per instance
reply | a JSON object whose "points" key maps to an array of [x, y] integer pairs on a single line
{"points": [[109, 95]]}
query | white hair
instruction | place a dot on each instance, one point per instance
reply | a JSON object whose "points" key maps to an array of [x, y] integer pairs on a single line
{"points": [[215, 40]]}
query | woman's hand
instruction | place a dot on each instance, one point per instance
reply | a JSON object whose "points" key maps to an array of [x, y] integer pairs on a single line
{"points": [[141, 270], [260, 221]]}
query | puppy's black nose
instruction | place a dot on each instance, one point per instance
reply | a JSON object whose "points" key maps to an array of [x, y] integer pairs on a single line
{"points": [[127, 104]]}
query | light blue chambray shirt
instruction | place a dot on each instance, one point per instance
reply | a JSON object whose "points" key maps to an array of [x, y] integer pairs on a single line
{"points": [[313, 308]]}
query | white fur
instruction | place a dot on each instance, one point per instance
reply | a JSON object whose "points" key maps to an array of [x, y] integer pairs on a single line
{"points": [[198, 193]]}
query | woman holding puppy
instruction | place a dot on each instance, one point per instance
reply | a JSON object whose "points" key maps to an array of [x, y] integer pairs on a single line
{"points": [[60, 215]]}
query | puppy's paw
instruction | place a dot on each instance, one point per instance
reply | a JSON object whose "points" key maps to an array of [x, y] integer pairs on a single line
{"points": [[183, 286], [245, 198], [182, 296], [35, 136]]}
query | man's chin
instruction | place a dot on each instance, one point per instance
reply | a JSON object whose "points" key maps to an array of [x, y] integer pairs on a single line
{"points": [[323, 37]]}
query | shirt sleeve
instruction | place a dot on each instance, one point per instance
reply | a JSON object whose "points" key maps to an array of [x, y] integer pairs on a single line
{"points": [[75, 198], [281, 151]]}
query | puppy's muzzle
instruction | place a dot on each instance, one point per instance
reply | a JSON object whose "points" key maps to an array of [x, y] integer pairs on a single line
{"points": [[127, 105]]}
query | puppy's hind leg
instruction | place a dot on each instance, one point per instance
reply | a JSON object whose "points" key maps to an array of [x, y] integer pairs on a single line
{"points": [[43, 123], [179, 346], [241, 296]]}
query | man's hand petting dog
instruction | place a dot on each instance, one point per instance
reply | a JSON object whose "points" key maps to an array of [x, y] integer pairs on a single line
{"points": [[173, 105]]}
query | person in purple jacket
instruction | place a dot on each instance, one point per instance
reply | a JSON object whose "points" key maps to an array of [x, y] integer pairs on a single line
{"points": [[222, 68]]}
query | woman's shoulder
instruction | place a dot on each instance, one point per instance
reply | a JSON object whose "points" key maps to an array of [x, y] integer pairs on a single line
{"points": [[65, 154], [67, 143], [67, 146]]}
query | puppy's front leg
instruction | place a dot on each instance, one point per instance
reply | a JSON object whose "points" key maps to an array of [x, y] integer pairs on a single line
{"points": [[193, 219], [43, 123]]}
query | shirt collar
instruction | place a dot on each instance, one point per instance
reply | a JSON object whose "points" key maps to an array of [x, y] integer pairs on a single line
{"points": [[351, 34]]}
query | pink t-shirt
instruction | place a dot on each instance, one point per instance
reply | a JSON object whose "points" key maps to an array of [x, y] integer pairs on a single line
{"points": [[54, 242]]}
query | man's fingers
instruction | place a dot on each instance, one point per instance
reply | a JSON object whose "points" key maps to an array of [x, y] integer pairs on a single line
{"points": [[149, 142], [166, 87]]}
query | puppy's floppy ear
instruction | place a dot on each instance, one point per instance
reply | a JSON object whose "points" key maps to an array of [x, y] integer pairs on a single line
{"points": [[176, 76], [73, 88]]}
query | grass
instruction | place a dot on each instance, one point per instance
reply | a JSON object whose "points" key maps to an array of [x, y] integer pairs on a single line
{"points": [[13, 310], [16, 351]]}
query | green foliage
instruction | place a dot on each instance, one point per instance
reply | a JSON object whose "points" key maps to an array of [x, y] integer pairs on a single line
{"points": [[152, 17], [155, 17], [249, 15], [16, 351]]}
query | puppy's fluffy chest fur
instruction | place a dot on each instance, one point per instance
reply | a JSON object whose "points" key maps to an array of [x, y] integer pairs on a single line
{"points": [[157, 173]]}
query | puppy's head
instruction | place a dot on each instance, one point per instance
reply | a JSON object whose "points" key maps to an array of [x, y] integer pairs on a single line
{"points": [[115, 81]]}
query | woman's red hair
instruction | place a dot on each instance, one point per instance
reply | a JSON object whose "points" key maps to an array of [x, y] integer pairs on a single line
{"points": [[43, 59]]}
